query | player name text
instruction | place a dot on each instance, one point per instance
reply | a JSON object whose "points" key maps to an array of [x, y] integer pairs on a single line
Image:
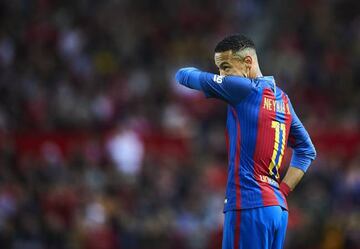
{"points": [[278, 106]]}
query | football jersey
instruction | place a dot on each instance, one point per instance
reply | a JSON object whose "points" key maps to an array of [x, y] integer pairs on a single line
{"points": [[261, 124]]}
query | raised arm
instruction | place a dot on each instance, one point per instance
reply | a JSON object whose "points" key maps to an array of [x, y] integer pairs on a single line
{"points": [[232, 89]]}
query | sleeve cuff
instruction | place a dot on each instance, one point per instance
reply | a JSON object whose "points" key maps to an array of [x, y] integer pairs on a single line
{"points": [[300, 162]]}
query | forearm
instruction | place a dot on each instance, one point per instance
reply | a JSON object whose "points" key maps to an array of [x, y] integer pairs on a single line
{"points": [[293, 177]]}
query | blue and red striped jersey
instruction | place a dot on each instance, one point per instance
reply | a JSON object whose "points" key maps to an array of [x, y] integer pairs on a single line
{"points": [[261, 124]]}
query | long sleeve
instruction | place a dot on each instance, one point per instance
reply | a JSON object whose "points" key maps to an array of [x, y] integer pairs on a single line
{"points": [[189, 77], [232, 89], [299, 140]]}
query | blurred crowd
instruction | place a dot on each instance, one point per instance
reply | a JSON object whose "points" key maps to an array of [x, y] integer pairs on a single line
{"points": [[100, 149]]}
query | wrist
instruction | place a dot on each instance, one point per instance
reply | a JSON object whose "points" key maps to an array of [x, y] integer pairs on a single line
{"points": [[285, 189]]}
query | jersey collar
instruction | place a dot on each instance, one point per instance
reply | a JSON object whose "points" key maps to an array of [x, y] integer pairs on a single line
{"points": [[271, 80]]}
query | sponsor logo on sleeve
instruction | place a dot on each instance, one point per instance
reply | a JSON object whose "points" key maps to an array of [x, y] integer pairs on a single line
{"points": [[218, 78]]}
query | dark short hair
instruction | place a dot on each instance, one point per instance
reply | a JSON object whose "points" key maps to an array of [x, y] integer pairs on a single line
{"points": [[234, 43]]}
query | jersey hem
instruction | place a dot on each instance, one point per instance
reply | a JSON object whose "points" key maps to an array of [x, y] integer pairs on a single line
{"points": [[233, 207]]}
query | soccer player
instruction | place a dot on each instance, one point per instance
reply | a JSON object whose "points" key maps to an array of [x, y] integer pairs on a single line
{"points": [[261, 123]]}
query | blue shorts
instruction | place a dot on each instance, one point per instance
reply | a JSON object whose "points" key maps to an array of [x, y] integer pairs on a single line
{"points": [[256, 228]]}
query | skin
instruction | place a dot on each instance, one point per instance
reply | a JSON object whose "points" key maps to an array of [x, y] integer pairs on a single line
{"points": [[293, 177], [245, 64], [242, 63]]}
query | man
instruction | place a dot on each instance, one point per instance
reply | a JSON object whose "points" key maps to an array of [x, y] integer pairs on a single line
{"points": [[261, 122]]}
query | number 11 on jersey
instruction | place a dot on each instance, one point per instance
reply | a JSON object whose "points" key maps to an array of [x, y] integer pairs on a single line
{"points": [[279, 148]]}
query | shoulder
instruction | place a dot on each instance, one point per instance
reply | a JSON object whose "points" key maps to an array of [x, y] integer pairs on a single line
{"points": [[283, 94], [265, 82]]}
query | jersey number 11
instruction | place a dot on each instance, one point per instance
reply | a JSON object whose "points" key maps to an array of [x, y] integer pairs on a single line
{"points": [[279, 148]]}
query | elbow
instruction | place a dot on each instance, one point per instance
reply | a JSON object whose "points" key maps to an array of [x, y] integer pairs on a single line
{"points": [[303, 156], [182, 74], [178, 76], [312, 152], [307, 149]]}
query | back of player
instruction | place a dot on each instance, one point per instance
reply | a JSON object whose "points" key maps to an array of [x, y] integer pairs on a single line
{"points": [[261, 122], [258, 128]]}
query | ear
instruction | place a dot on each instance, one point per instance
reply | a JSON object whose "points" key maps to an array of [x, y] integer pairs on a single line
{"points": [[248, 61]]}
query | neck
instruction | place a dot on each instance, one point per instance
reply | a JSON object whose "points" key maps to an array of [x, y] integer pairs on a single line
{"points": [[256, 72]]}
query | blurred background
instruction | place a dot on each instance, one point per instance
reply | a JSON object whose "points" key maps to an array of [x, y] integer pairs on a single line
{"points": [[100, 149]]}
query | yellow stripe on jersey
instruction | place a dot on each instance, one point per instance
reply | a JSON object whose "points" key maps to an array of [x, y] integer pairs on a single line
{"points": [[278, 127]]}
